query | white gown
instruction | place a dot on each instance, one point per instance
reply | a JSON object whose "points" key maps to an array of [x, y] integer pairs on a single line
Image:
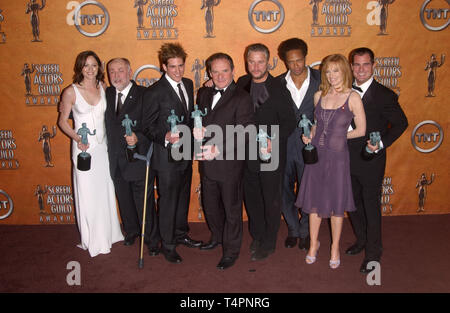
{"points": [[95, 202]]}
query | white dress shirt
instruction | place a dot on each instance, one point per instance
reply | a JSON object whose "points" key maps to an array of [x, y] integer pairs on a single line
{"points": [[364, 86], [124, 93], [297, 94], [174, 85], [216, 98]]}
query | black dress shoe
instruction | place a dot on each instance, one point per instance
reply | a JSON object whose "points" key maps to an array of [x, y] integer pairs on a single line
{"points": [[355, 249], [189, 242], [363, 269], [226, 262], [209, 245], [290, 242], [261, 254], [304, 243], [153, 251], [171, 256], [129, 239]]}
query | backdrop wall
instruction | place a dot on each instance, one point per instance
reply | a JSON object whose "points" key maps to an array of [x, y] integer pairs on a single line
{"points": [[40, 39]]}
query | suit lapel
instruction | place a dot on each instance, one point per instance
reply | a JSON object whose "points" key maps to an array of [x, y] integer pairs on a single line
{"points": [[175, 99], [225, 97]]}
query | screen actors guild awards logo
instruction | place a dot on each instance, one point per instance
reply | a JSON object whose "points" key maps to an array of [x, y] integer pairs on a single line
{"points": [[421, 185], [8, 146], [45, 137], [388, 71], [149, 79], [267, 17], [335, 18], [431, 67], [427, 136], [55, 204], [208, 6], [33, 9], [386, 193], [2, 34], [379, 14], [433, 16], [47, 78], [6, 205], [161, 15]]}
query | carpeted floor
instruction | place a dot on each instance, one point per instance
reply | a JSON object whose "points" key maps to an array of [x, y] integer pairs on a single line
{"points": [[416, 259]]}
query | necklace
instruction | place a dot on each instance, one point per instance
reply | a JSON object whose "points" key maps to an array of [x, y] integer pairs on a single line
{"points": [[326, 116]]}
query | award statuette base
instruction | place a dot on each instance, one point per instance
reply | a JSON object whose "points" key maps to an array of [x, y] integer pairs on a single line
{"points": [[310, 154], [264, 157], [84, 161], [367, 154], [171, 149], [130, 151]]}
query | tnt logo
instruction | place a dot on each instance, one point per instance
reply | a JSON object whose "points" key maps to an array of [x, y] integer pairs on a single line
{"points": [[435, 15], [6, 205], [151, 75], [90, 17], [427, 136], [266, 16]]}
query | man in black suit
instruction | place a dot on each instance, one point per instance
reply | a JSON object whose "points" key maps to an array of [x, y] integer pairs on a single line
{"points": [[221, 168], [262, 187], [300, 83], [171, 93], [124, 97], [383, 114]]}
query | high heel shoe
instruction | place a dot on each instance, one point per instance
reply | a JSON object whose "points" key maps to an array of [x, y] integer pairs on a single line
{"points": [[311, 259], [334, 264]]}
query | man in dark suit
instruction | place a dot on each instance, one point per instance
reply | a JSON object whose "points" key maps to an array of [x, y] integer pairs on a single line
{"points": [[171, 93], [262, 187], [221, 169], [300, 83], [383, 114], [124, 97]]}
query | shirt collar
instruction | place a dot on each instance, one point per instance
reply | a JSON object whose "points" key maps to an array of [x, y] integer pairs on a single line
{"points": [[365, 85], [291, 82], [126, 90], [173, 83]]}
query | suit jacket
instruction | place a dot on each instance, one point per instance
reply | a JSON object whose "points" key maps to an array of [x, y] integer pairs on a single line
{"points": [[233, 108], [276, 109], [383, 114], [133, 106], [159, 99], [295, 143]]}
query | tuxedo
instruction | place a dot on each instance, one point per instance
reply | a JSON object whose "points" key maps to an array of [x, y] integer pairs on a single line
{"points": [[294, 162], [221, 179], [262, 189], [383, 114], [173, 177], [129, 177]]}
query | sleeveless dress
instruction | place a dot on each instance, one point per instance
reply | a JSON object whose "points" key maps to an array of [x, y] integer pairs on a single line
{"points": [[94, 196], [326, 187]]}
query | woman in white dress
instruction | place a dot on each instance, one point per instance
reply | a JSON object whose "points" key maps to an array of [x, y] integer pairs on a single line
{"points": [[94, 196]]}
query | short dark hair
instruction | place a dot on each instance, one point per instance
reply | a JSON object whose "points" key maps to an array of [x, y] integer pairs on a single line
{"points": [[292, 44], [361, 51], [257, 47], [218, 56], [169, 51], [80, 61]]}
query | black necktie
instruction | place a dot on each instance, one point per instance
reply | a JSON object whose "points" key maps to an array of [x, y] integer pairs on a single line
{"points": [[119, 103], [218, 90], [357, 88], [183, 99]]}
